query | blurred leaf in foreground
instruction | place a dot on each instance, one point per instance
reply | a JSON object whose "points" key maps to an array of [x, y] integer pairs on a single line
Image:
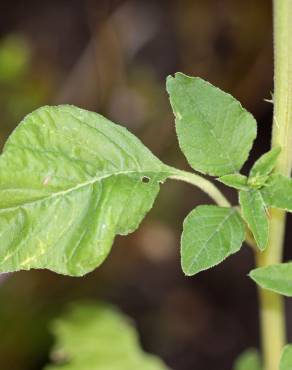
{"points": [[94, 337], [14, 58]]}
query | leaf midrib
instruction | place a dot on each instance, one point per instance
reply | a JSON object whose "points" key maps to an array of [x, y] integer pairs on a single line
{"points": [[84, 184]]}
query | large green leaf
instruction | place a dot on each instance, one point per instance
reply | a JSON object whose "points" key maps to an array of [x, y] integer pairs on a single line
{"points": [[70, 180], [98, 337], [278, 192], [286, 358], [210, 234], [215, 133], [254, 212], [277, 278], [248, 360]]}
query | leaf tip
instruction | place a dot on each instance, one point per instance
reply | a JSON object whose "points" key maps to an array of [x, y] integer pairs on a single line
{"points": [[252, 275], [176, 78], [169, 81], [187, 272]]}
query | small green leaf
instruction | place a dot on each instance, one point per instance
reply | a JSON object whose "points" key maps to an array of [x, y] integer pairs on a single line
{"points": [[215, 133], [70, 180], [254, 212], [286, 358], [210, 234], [277, 192], [262, 168], [266, 163], [235, 180], [277, 278], [248, 360], [92, 337]]}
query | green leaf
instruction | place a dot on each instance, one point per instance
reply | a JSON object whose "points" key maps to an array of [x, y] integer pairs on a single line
{"points": [[235, 180], [92, 337], [286, 358], [266, 163], [277, 192], [215, 133], [210, 234], [277, 278], [248, 360], [70, 180], [254, 213]]}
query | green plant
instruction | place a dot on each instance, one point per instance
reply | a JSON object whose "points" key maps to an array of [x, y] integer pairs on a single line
{"points": [[70, 180]]}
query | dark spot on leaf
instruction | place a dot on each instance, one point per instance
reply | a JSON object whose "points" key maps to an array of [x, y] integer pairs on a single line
{"points": [[145, 179]]}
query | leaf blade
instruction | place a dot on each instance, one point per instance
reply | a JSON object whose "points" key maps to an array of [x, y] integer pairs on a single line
{"points": [[70, 180], [210, 234], [254, 213], [236, 181], [277, 278], [215, 133]]}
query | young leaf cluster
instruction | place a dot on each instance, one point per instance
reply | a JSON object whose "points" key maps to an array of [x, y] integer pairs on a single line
{"points": [[216, 134], [252, 198]]}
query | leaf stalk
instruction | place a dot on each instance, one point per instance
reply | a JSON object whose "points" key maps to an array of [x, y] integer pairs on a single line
{"points": [[200, 182]]}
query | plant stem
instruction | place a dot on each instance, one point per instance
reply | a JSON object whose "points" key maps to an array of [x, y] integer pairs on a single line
{"points": [[205, 185], [272, 305]]}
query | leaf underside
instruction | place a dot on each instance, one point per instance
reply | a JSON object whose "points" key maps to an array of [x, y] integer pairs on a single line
{"points": [[92, 337], [70, 180], [254, 212], [277, 278], [215, 133], [210, 234]]}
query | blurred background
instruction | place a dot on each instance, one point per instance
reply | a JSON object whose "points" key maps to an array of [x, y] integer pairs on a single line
{"points": [[113, 57]]}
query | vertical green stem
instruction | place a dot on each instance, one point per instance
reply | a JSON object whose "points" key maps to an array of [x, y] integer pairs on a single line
{"points": [[271, 304], [272, 314]]}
